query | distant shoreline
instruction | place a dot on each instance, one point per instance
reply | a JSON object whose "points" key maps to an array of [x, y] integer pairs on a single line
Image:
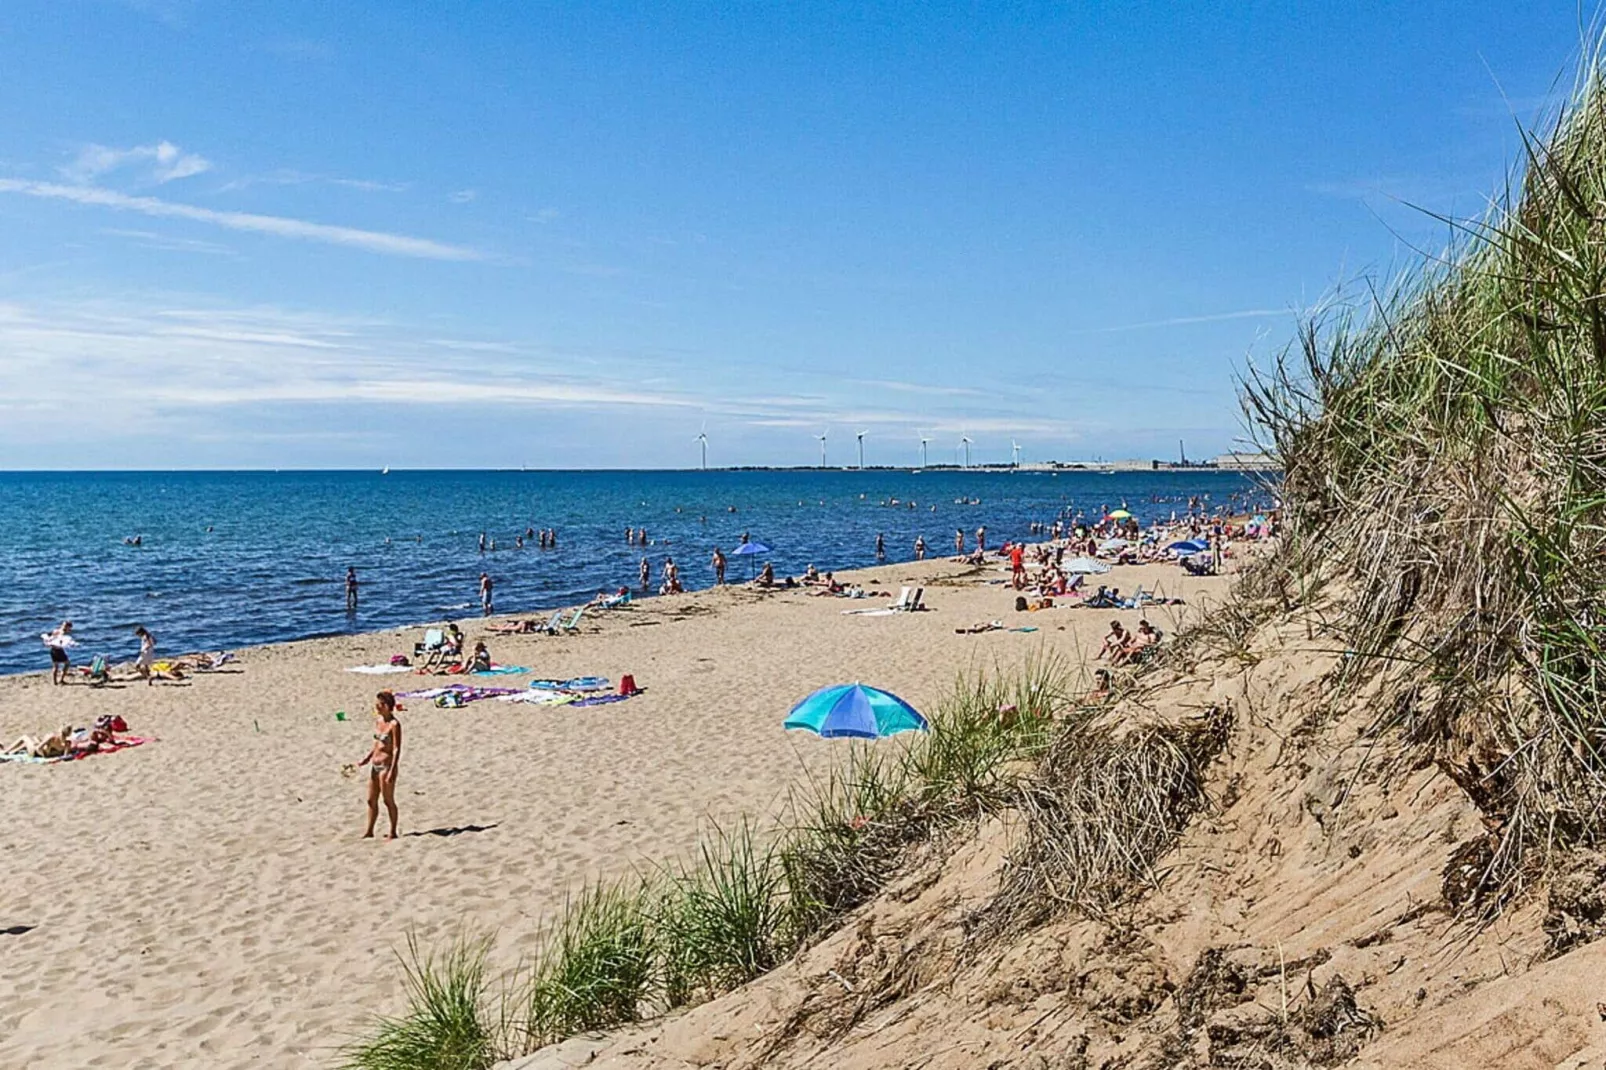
{"points": [[1205, 467]]}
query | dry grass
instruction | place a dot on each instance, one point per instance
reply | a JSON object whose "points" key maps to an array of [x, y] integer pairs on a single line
{"points": [[1444, 445], [1106, 806]]}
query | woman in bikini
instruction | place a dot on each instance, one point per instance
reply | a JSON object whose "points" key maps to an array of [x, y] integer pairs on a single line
{"points": [[383, 759]]}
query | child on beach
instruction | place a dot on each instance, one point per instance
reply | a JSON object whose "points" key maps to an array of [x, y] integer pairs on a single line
{"points": [[383, 760]]}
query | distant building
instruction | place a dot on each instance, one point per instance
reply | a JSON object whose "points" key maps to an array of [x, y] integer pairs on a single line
{"points": [[1247, 462]]}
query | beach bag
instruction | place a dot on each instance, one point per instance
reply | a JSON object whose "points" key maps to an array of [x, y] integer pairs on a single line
{"points": [[449, 701], [399, 659]]}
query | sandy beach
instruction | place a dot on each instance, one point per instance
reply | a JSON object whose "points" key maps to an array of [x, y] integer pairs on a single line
{"points": [[205, 899]]}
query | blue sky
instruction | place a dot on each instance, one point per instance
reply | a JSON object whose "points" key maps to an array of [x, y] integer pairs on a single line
{"points": [[492, 234]]}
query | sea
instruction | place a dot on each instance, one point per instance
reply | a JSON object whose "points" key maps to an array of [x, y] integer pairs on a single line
{"points": [[227, 559]]}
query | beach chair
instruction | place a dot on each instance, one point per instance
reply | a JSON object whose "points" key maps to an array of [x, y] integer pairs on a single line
{"points": [[909, 601], [434, 641], [573, 623], [98, 674], [551, 625]]}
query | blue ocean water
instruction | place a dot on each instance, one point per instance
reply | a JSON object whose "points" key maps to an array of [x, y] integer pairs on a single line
{"points": [[233, 558]]}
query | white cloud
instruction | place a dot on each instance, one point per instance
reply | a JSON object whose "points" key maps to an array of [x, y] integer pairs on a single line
{"points": [[161, 162], [1179, 321], [370, 240], [290, 177], [150, 239], [545, 216], [463, 196]]}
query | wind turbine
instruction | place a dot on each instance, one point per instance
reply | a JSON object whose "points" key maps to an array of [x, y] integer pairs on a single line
{"points": [[860, 437], [702, 440], [923, 441], [821, 437], [964, 440], [1015, 448]]}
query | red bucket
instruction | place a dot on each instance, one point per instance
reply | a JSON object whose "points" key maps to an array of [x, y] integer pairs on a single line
{"points": [[627, 684]]}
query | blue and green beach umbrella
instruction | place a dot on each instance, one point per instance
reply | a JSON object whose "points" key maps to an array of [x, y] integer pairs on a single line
{"points": [[855, 711]]}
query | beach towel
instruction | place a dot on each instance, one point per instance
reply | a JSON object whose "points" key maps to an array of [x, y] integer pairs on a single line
{"points": [[598, 700], [379, 670], [467, 692], [105, 748], [579, 683], [502, 670], [541, 698]]}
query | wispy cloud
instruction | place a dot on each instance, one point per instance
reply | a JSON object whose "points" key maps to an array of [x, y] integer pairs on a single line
{"points": [[545, 216], [299, 229], [289, 177], [161, 162], [463, 196], [1180, 321], [928, 389], [150, 239]]}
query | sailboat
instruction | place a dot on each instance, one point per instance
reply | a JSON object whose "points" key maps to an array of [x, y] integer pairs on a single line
{"points": [[385, 471]]}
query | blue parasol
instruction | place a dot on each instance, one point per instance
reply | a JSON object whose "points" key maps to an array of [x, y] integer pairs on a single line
{"points": [[748, 549], [855, 711]]}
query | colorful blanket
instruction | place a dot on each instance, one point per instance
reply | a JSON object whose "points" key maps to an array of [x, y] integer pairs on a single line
{"points": [[467, 692]]}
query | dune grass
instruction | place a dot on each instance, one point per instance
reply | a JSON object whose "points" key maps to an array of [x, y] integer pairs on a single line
{"points": [[744, 901], [446, 1025], [1444, 452]]}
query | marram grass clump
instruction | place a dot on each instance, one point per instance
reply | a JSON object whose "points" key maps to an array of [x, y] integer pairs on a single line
{"points": [[1444, 450], [446, 1025]]}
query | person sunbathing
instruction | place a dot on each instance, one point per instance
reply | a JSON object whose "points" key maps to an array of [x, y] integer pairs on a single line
{"points": [[1144, 640], [447, 653], [49, 747], [478, 661], [89, 740], [515, 627], [1103, 688], [1114, 643]]}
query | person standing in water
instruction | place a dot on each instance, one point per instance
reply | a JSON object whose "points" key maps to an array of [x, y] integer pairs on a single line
{"points": [[719, 567], [920, 547], [485, 592], [482, 542], [981, 537], [646, 574], [383, 760], [351, 589], [959, 542], [880, 547]]}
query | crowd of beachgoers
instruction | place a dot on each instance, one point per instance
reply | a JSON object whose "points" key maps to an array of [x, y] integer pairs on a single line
{"points": [[1051, 566]]}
